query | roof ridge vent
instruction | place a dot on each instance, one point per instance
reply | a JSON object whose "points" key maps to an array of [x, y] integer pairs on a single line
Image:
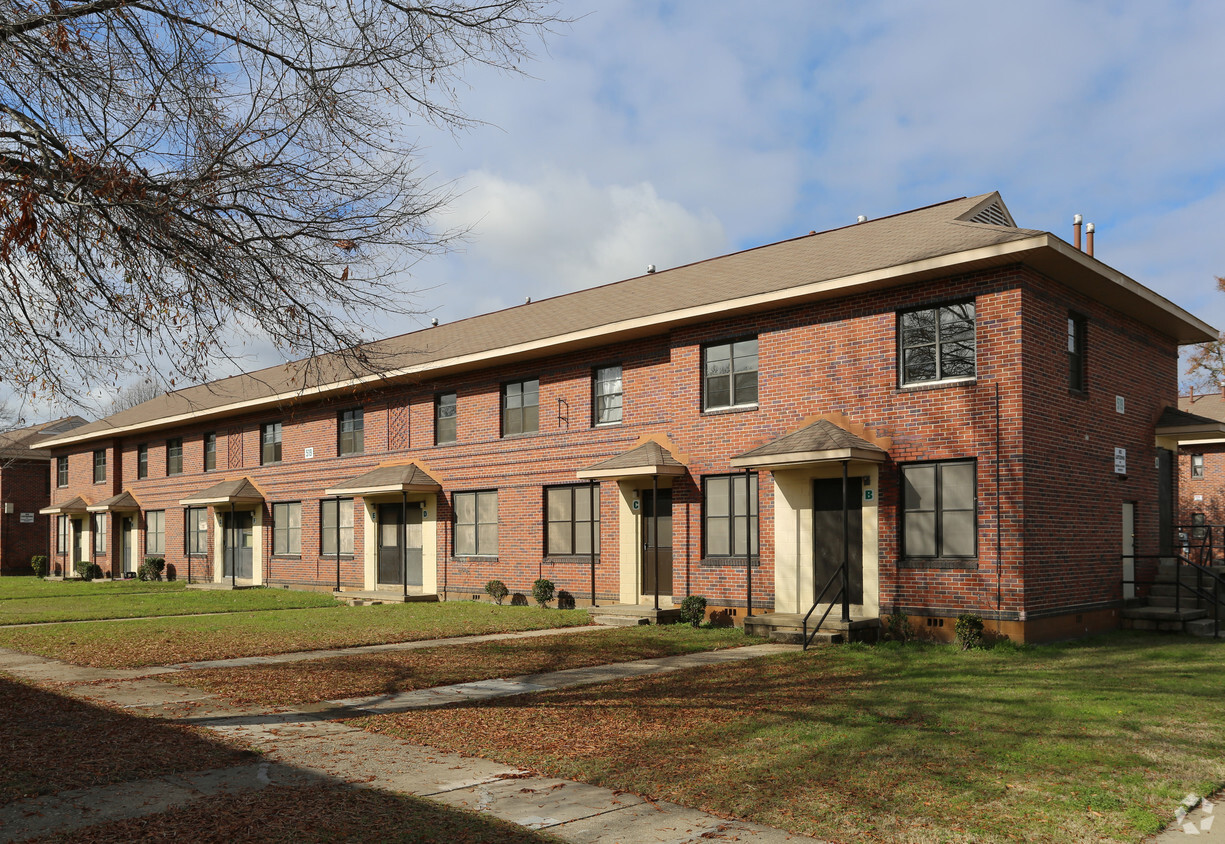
{"points": [[992, 214]]}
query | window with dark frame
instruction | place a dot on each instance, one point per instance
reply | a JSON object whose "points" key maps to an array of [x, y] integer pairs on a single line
{"points": [[476, 523], [1077, 375], [606, 395], [521, 407], [197, 530], [350, 431], [99, 528], [726, 500], [939, 513], [99, 465], [729, 375], [937, 344], [287, 528], [61, 472], [334, 512], [210, 451], [61, 534], [155, 532], [1197, 466], [174, 456], [569, 519], [270, 443], [445, 416], [142, 461]]}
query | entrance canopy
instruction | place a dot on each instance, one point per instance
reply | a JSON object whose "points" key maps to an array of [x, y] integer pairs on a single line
{"points": [[121, 503], [407, 477], [821, 442], [240, 491], [1189, 428], [75, 506], [644, 460]]}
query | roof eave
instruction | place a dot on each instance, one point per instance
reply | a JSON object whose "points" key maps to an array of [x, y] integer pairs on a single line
{"points": [[799, 459], [644, 471]]}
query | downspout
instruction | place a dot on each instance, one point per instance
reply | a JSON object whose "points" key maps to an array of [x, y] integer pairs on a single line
{"points": [[748, 545], [846, 550], [404, 543], [338, 543], [999, 523], [655, 532], [186, 546], [595, 505], [233, 548]]}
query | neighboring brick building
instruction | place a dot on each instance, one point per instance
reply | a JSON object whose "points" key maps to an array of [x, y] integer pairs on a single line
{"points": [[24, 490], [1201, 467], [990, 393]]}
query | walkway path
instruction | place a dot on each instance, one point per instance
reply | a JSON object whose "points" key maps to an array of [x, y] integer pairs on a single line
{"points": [[306, 742]]}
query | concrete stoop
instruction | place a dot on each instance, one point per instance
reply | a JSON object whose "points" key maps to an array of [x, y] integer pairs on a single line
{"points": [[367, 598], [788, 629], [215, 586], [632, 615], [1164, 610]]}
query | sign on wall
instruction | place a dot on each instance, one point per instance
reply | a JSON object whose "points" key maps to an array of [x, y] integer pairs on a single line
{"points": [[27, 518], [1120, 461]]}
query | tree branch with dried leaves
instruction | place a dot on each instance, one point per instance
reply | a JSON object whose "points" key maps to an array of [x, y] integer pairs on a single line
{"points": [[1206, 361]]}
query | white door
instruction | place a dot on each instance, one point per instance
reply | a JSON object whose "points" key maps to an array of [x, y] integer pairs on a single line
{"points": [[1129, 549]]}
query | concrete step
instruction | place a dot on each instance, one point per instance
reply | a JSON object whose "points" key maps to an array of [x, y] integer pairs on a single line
{"points": [[368, 598], [1163, 614], [1204, 627], [788, 628], [786, 636], [619, 620], [630, 615]]}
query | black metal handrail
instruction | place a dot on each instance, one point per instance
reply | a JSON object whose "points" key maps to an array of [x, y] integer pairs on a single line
{"points": [[837, 595], [1203, 539], [1214, 596]]}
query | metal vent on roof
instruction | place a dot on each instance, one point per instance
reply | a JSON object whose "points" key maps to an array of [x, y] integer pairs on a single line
{"points": [[992, 215]]}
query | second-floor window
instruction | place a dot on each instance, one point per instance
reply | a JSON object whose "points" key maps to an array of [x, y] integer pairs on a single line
{"points": [[61, 472], [729, 375], [155, 532], [210, 452], [174, 456], [287, 528], [270, 443], [445, 417], [142, 461], [521, 407], [937, 344], [99, 466], [476, 523], [1197, 465], [606, 398], [350, 426], [1076, 353], [197, 530]]}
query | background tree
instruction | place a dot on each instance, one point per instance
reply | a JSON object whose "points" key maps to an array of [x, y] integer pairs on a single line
{"points": [[1206, 361], [173, 170], [138, 392]]}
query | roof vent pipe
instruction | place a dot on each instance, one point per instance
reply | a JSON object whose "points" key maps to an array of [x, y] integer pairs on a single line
{"points": [[861, 219], [1223, 389], [433, 322], [650, 268], [1089, 239], [1076, 220]]}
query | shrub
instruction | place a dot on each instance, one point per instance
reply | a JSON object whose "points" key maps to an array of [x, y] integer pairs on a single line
{"points": [[151, 568], [565, 601], [898, 627], [693, 609], [543, 591], [497, 590], [518, 600], [87, 570], [969, 631], [39, 563]]}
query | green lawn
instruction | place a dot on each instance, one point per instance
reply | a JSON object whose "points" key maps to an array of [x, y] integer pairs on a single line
{"points": [[72, 601], [388, 673], [159, 641], [1093, 740]]}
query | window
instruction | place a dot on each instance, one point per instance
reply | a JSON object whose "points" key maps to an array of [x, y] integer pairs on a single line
{"points": [[727, 500], [197, 530], [350, 432], [1197, 465], [99, 534], [729, 375], [938, 510], [155, 532], [476, 523], [99, 466], [570, 519], [61, 534], [521, 407], [606, 399], [174, 456], [142, 461], [270, 443], [287, 528], [61, 472], [937, 344], [210, 452], [332, 513], [1076, 352], [445, 415]]}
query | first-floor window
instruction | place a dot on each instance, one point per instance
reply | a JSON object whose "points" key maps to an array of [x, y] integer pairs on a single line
{"points": [[572, 520], [155, 532], [476, 523], [729, 515], [336, 520], [939, 517], [197, 530], [287, 528], [99, 533], [61, 534]]}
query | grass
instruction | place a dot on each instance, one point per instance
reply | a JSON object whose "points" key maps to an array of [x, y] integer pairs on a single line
{"points": [[34, 587], [136, 599], [1093, 740], [389, 673], [161, 641]]}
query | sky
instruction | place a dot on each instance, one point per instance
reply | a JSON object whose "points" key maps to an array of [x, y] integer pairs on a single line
{"points": [[668, 132]]}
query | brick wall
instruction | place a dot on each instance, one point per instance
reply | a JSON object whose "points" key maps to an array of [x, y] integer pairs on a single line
{"points": [[23, 483]]}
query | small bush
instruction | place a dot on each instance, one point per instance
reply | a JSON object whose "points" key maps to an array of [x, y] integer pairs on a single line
{"points": [[39, 563], [518, 600], [969, 631], [898, 627], [543, 591], [497, 590], [151, 568], [565, 601], [87, 570], [693, 609]]}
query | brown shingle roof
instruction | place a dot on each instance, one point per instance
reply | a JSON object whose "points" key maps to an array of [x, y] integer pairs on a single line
{"points": [[650, 458], [818, 442], [407, 477], [117, 503], [74, 505], [237, 491], [23, 443]]}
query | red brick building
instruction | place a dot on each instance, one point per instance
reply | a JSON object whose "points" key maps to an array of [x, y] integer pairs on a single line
{"points": [[24, 490], [990, 394], [1201, 467]]}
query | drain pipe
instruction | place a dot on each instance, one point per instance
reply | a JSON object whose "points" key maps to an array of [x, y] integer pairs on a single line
{"points": [[233, 548], [655, 533], [404, 543], [748, 544], [999, 524], [338, 543], [846, 551], [595, 508]]}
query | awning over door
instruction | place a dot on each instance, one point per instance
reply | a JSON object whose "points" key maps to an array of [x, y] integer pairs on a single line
{"points": [[240, 491], [645, 460], [1189, 428], [406, 477], [75, 506], [121, 503], [821, 442]]}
